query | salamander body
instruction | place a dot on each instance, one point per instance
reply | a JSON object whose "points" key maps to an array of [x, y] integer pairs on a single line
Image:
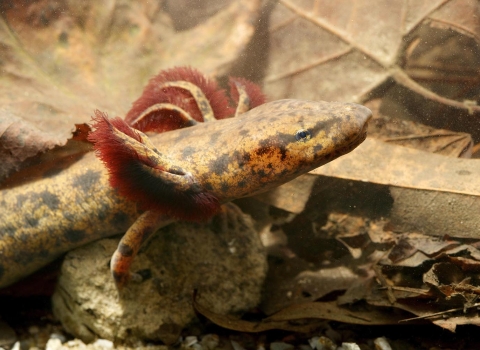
{"points": [[229, 158]]}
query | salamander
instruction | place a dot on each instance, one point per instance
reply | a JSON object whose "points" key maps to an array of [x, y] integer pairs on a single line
{"points": [[202, 166]]}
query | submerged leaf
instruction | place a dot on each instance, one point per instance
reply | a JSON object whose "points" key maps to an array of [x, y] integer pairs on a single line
{"points": [[423, 61], [62, 60]]}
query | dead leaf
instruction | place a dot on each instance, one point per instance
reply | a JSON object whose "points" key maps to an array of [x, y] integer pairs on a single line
{"points": [[361, 315], [435, 213], [423, 61], [437, 202], [381, 276], [292, 196], [304, 317], [411, 243], [414, 135], [466, 264], [236, 324], [20, 140], [198, 11], [414, 260], [401, 251], [448, 319], [60, 61], [443, 273], [48, 163]]}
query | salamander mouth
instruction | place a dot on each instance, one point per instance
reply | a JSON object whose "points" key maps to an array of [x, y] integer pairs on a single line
{"points": [[355, 142], [362, 135]]}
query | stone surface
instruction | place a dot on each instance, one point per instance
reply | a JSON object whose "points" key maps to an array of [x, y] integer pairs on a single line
{"points": [[223, 259], [7, 334]]}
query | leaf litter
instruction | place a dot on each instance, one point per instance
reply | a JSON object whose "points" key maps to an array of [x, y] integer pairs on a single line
{"points": [[418, 72], [62, 60]]}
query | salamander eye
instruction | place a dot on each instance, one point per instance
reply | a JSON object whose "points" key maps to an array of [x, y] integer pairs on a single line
{"points": [[303, 135]]}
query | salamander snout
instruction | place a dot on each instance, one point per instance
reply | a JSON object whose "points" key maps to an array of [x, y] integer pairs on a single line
{"points": [[355, 123], [363, 116]]}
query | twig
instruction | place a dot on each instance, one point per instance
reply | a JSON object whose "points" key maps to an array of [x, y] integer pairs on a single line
{"points": [[403, 79], [440, 313]]}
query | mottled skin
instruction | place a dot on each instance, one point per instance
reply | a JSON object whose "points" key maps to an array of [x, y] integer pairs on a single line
{"points": [[231, 158], [44, 219], [258, 150]]}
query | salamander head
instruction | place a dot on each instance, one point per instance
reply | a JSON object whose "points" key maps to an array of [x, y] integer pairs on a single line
{"points": [[270, 145], [188, 173]]}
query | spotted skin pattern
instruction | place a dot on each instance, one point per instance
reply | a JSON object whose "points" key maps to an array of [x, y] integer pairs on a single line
{"points": [[230, 158], [259, 151]]}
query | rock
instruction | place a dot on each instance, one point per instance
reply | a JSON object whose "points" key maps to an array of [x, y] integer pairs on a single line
{"points": [[53, 344], [210, 341], [103, 344], [381, 343], [7, 335], [223, 260], [322, 343]]}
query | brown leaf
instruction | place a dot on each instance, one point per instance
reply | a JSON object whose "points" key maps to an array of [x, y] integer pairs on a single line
{"points": [[304, 317], [20, 140], [431, 245], [466, 264], [198, 11], [292, 196], [331, 311], [236, 324], [322, 267], [442, 274], [414, 135], [294, 282], [62, 60], [55, 160], [433, 194], [423, 61], [448, 319], [457, 319], [413, 260], [401, 251], [435, 213]]}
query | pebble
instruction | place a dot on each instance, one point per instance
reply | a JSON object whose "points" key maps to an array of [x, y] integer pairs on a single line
{"points": [[236, 345], [382, 344], [58, 336], [58, 341], [210, 341], [322, 343], [103, 344], [349, 346], [53, 344], [189, 341]]}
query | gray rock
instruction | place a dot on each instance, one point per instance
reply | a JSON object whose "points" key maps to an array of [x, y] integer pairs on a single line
{"points": [[223, 259]]}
